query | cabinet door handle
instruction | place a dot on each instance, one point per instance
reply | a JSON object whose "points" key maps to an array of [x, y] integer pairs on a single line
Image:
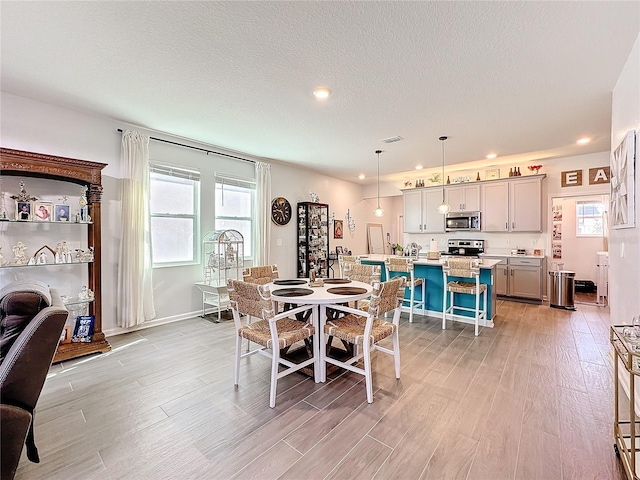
{"points": [[512, 273], [513, 224], [506, 226], [420, 226]]}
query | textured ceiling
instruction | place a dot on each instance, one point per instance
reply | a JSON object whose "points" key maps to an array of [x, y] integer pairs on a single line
{"points": [[522, 79]]}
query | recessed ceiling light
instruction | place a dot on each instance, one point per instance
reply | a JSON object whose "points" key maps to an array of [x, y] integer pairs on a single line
{"points": [[361, 176], [418, 167], [583, 141], [491, 156], [321, 93]]}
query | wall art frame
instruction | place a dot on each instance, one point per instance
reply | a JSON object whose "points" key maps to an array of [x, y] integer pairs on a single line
{"points": [[622, 211]]}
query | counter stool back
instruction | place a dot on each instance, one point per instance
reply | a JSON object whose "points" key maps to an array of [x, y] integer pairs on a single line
{"points": [[464, 268], [403, 266]]}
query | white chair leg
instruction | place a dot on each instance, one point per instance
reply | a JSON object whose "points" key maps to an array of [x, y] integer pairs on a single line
{"points": [[424, 297], [412, 299], [396, 352], [236, 373], [477, 309], [367, 372], [444, 306], [274, 376]]}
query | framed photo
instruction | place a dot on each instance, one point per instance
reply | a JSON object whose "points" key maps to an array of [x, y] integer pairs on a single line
{"points": [[337, 229], [622, 213], [61, 213], [24, 211], [339, 250], [492, 174], [42, 211], [83, 331]]}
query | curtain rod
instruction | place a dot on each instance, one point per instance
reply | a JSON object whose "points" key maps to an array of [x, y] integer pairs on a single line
{"points": [[198, 148]]}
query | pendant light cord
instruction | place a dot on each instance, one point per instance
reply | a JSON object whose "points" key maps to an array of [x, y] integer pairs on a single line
{"points": [[442, 139], [379, 152]]}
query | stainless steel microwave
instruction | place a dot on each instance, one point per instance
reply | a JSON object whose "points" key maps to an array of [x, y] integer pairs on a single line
{"points": [[466, 221]]}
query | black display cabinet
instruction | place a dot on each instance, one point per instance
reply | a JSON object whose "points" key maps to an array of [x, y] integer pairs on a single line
{"points": [[313, 239]]}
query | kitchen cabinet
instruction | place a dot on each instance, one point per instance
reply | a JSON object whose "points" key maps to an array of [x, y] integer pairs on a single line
{"points": [[463, 198], [513, 205], [313, 239], [421, 210], [519, 278], [87, 174]]}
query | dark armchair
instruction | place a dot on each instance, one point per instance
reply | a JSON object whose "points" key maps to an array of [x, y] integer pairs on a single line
{"points": [[31, 320]]}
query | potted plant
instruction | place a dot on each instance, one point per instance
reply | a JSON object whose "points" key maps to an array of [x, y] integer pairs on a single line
{"points": [[397, 248]]}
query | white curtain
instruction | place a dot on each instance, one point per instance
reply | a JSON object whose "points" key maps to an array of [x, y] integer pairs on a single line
{"points": [[135, 289], [262, 232]]}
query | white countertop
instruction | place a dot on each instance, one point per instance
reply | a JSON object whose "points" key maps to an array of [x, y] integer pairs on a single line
{"points": [[376, 257], [509, 255]]}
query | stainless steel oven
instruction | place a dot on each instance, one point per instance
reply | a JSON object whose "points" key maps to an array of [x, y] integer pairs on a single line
{"points": [[465, 221]]}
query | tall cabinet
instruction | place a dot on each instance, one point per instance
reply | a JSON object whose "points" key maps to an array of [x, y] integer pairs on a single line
{"points": [[313, 239], [84, 173]]}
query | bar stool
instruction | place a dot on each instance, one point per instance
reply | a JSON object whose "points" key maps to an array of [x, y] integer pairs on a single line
{"points": [[404, 266], [466, 268]]}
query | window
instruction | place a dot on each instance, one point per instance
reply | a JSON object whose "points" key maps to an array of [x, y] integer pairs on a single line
{"points": [[589, 218], [174, 215], [234, 208]]}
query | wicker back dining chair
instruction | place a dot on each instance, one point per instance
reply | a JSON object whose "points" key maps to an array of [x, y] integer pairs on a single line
{"points": [[403, 266], [367, 329], [362, 273], [261, 275], [274, 332]]}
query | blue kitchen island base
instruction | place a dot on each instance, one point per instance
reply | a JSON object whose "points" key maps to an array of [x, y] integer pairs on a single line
{"points": [[431, 272]]}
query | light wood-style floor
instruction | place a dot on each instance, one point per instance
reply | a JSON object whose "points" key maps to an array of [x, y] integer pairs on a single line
{"points": [[531, 398]]}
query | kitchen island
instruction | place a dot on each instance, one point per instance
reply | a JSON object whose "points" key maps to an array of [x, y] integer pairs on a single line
{"points": [[431, 271]]}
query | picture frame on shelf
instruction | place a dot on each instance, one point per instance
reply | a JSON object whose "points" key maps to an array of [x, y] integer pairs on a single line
{"points": [[83, 330], [42, 211], [339, 250], [61, 213], [492, 174], [24, 211]]}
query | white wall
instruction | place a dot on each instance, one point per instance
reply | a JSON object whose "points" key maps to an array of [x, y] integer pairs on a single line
{"points": [[624, 248]]}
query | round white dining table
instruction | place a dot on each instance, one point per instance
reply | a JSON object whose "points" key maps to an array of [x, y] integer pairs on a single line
{"points": [[320, 298]]}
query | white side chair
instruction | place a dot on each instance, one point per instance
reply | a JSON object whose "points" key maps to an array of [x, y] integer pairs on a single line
{"points": [[464, 268], [366, 329], [403, 266], [273, 332]]}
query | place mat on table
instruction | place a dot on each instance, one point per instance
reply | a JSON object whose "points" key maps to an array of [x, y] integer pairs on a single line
{"points": [[347, 290], [336, 280], [292, 292], [290, 282]]}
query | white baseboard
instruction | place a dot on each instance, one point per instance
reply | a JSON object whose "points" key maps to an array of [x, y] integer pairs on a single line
{"points": [[157, 322]]}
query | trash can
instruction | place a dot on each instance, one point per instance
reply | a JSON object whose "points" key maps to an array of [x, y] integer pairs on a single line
{"points": [[561, 286]]}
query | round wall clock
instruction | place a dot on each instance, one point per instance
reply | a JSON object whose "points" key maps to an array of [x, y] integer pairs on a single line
{"points": [[280, 211]]}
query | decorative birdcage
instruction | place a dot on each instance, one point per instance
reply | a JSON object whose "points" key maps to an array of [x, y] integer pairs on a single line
{"points": [[223, 256]]}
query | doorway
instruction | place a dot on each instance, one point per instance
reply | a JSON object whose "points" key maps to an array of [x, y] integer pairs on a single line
{"points": [[579, 239]]}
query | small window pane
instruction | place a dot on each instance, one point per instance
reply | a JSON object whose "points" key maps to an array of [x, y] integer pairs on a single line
{"points": [[172, 195], [172, 239], [589, 220], [237, 201]]}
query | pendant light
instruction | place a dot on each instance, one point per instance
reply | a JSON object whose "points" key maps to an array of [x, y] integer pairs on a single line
{"points": [[443, 208], [378, 212]]}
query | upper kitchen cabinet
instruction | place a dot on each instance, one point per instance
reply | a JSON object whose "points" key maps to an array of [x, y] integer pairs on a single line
{"points": [[513, 205], [463, 198], [421, 211]]}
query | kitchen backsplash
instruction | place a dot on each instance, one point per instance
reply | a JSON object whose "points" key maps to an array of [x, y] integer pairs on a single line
{"points": [[497, 243]]}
